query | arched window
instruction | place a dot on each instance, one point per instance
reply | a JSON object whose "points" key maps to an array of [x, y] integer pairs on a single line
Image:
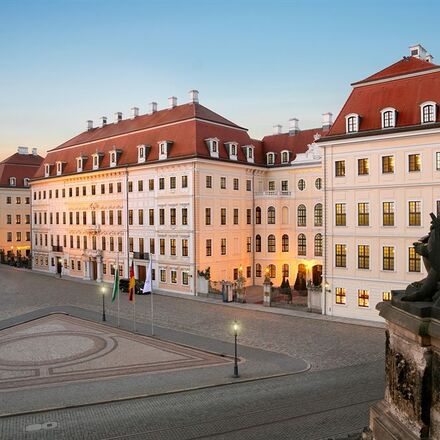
{"points": [[284, 157], [318, 245], [318, 183], [258, 270], [302, 215], [12, 181], [271, 215], [388, 117], [258, 243], [352, 123], [272, 270], [285, 270], [318, 214], [271, 243], [302, 244], [301, 184], [285, 215], [270, 158], [428, 112], [258, 215], [285, 243]]}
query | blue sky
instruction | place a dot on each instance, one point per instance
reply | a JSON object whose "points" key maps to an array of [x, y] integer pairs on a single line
{"points": [[257, 63]]}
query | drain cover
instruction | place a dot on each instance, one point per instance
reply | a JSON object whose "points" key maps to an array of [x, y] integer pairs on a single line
{"points": [[40, 426]]}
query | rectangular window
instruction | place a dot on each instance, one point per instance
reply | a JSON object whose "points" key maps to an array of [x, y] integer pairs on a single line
{"points": [[340, 295], [110, 188], [152, 246], [208, 181], [363, 214], [341, 215], [414, 162], [249, 244], [363, 298], [151, 184], [388, 258], [119, 187], [340, 168], [140, 185], [174, 276], [388, 213], [223, 182], [162, 246], [236, 184], [208, 247], [248, 185], [161, 182], [130, 186], [185, 185], [223, 216], [151, 216], [363, 167], [173, 182], [437, 160], [340, 255], [363, 256], [119, 212], [235, 216], [110, 217], [184, 247], [223, 246], [163, 275], [271, 185], [413, 260], [386, 296], [172, 246], [173, 216], [184, 216], [248, 216], [207, 216], [284, 185], [387, 164], [141, 216], [161, 216], [414, 212], [185, 279], [141, 245]]}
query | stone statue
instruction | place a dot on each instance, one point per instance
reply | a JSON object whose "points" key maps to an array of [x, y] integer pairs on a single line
{"points": [[429, 248]]}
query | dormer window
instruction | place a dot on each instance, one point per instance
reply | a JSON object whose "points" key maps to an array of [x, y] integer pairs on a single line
{"points": [[428, 112], [388, 117], [285, 156], [164, 147], [249, 153], [12, 181], [352, 123], [114, 156], [80, 163], [141, 153], [212, 144], [270, 158], [47, 170], [96, 159], [26, 181], [59, 165], [232, 148]]}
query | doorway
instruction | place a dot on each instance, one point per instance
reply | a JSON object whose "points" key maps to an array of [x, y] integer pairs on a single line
{"points": [[142, 271], [317, 275], [94, 270]]}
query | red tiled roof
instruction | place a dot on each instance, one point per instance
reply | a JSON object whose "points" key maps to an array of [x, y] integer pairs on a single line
{"points": [[297, 143], [404, 66], [19, 166], [405, 94]]}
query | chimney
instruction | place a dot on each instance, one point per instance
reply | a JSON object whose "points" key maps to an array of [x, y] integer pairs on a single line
{"points": [[89, 124], [194, 96], [327, 121], [153, 107], [429, 58], [22, 150], [118, 117], [293, 126], [418, 51], [277, 129], [103, 121], [134, 112], [172, 102], [34, 151]]}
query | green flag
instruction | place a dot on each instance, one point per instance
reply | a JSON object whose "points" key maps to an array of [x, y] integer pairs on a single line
{"points": [[115, 285]]}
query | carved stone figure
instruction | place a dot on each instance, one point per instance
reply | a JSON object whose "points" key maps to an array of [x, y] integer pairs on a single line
{"points": [[429, 248]]}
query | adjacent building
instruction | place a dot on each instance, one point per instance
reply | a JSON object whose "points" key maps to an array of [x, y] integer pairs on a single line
{"points": [[15, 207]]}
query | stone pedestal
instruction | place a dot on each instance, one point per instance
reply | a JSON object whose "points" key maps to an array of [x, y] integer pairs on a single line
{"points": [[411, 406], [267, 286]]}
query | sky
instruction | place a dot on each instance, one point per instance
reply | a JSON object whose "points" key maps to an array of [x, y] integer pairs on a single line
{"points": [[257, 63]]}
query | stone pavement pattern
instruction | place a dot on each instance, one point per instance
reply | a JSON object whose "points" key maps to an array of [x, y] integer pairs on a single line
{"points": [[323, 344], [59, 349]]}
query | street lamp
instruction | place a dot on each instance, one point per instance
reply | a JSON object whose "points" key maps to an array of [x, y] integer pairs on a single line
{"points": [[235, 328], [103, 290]]}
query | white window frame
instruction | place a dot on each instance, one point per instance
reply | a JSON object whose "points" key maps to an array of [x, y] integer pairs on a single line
{"points": [[394, 117], [163, 150], [59, 165], [232, 150], [383, 245], [141, 153], [409, 153], [12, 181], [356, 125], [95, 161], [113, 158], [272, 160], [407, 213], [47, 170], [213, 146], [26, 181], [250, 154], [382, 213], [79, 164], [288, 156], [381, 163], [422, 106]]}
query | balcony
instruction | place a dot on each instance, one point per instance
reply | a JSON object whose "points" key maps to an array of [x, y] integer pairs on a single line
{"points": [[93, 229], [141, 255], [57, 248], [273, 193]]}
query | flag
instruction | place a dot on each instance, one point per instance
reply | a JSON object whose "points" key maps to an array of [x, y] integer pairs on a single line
{"points": [[115, 292], [131, 283], [147, 285]]}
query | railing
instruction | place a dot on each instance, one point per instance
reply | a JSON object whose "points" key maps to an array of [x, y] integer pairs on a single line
{"points": [[57, 248], [273, 193], [141, 255], [91, 229]]}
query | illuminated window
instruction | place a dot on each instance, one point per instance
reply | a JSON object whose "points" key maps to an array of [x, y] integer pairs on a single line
{"points": [[363, 214], [414, 163], [223, 246], [363, 167], [340, 255], [184, 247], [258, 270], [302, 244], [414, 212], [285, 270], [363, 256], [388, 213], [272, 271], [340, 168], [387, 164], [340, 295], [271, 215], [340, 214], [363, 298], [271, 243], [386, 296], [413, 260], [173, 246], [318, 245], [388, 258]]}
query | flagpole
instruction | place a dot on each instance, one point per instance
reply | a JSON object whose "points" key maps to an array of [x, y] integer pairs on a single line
{"points": [[134, 312], [152, 303], [119, 291]]}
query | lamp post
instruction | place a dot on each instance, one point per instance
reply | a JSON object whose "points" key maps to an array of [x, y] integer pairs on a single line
{"points": [[235, 327], [103, 289]]}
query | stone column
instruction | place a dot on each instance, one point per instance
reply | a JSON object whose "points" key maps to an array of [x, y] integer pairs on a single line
{"points": [[267, 285], [411, 406], [99, 269]]}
